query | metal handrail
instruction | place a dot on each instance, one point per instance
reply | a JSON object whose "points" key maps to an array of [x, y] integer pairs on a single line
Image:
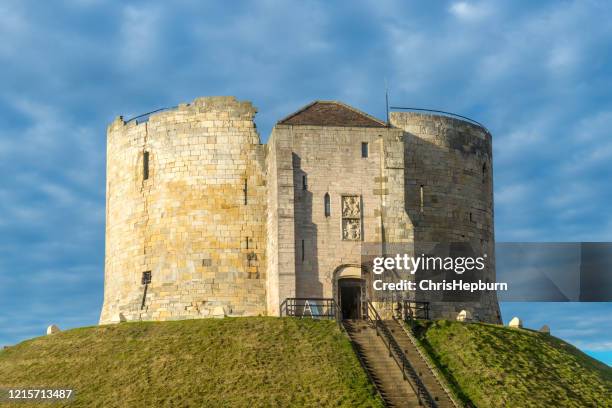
{"points": [[395, 351], [150, 113], [412, 312], [431, 367], [291, 307], [451, 114]]}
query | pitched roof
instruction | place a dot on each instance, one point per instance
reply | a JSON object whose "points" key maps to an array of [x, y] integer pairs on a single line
{"points": [[331, 113]]}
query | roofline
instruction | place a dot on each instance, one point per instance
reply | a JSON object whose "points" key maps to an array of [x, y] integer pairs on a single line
{"points": [[303, 108]]}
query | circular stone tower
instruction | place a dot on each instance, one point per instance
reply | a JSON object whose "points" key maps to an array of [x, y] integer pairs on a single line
{"points": [[185, 214], [449, 199]]}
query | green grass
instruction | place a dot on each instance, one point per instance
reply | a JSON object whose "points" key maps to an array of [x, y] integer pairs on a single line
{"points": [[231, 362], [494, 366]]}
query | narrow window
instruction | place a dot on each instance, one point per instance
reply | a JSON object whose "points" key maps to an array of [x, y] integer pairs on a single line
{"points": [[304, 183], [146, 277], [145, 166], [364, 149], [422, 200], [471, 218], [247, 242], [303, 250], [327, 204], [245, 190], [484, 173]]}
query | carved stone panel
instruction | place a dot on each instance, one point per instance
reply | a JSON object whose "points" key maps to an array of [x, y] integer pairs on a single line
{"points": [[351, 218], [351, 207], [351, 230]]}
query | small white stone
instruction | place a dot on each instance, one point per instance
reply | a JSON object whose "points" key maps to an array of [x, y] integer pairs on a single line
{"points": [[464, 316], [516, 323], [53, 329]]}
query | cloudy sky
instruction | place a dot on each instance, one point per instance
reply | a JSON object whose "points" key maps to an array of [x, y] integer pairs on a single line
{"points": [[538, 75]]}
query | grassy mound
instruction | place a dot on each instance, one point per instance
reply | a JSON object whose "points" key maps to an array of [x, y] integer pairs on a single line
{"points": [[493, 366], [232, 362]]}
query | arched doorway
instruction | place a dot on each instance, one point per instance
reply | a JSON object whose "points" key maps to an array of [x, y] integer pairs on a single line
{"points": [[349, 290], [349, 297]]}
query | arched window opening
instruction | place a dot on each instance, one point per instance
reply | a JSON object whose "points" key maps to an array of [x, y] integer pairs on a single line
{"points": [[145, 166], [304, 182], [421, 205], [364, 150], [327, 205]]}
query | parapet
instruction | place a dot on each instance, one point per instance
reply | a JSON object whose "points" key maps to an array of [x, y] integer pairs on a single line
{"points": [[242, 110], [415, 122]]}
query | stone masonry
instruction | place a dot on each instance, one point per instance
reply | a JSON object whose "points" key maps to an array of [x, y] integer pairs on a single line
{"points": [[203, 220]]}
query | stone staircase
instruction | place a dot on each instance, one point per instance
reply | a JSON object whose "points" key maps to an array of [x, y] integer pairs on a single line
{"points": [[426, 374], [382, 368]]}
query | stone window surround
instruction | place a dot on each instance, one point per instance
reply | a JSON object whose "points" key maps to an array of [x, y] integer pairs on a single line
{"points": [[327, 205]]}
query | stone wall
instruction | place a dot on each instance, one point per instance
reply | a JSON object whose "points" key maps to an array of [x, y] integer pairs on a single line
{"points": [[226, 225], [188, 223], [452, 160], [280, 243], [327, 160]]}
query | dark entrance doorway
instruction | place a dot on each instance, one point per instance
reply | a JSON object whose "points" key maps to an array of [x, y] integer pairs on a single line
{"points": [[349, 291]]}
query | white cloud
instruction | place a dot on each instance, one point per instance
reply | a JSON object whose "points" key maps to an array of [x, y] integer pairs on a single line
{"points": [[139, 35], [562, 59], [469, 11], [593, 345], [511, 194], [12, 25]]}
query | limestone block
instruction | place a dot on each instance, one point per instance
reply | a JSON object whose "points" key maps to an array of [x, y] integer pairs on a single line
{"points": [[516, 323], [52, 329], [464, 316], [218, 312]]}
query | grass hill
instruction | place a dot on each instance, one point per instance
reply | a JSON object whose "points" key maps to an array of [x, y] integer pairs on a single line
{"points": [[231, 362], [267, 362], [494, 366]]}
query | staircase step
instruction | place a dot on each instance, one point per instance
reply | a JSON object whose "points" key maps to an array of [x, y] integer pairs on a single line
{"points": [[383, 369]]}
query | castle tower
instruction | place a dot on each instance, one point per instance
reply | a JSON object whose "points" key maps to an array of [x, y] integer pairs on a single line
{"points": [[449, 198], [203, 220], [185, 214]]}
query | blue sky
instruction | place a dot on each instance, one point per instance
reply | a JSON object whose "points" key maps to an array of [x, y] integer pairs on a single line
{"points": [[539, 75]]}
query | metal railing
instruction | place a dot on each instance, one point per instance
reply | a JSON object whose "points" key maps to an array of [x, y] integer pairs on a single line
{"points": [[145, 116], [395, 351], [415, 310], [439, 378], [316, 308]]}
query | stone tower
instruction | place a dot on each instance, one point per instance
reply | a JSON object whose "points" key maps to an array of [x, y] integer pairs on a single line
{"points": [[449, 194], [186, 209], [204, 220]]}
